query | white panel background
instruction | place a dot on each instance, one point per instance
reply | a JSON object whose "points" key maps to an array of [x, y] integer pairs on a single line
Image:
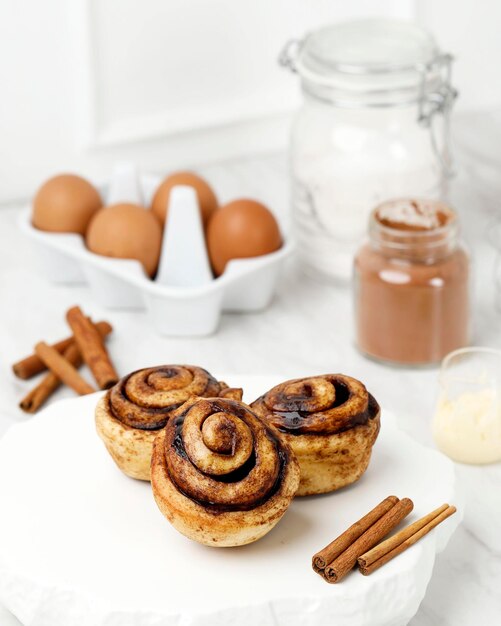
{"points": [[471, 30], [174, 83], [169, 67]]}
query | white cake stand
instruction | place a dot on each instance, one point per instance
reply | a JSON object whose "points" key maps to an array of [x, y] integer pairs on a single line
{"points": [[82, 545]]}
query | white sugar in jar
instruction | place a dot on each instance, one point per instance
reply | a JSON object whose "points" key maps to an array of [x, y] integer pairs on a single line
{"points": [[374, 125]]}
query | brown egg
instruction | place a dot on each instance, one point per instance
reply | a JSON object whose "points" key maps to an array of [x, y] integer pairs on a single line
{"points": [[65, 204], [241, 229], [206, 197], [126, 231]]}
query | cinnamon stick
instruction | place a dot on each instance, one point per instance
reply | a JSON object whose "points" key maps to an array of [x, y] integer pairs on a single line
{"points": [[322, 558], [32, 365], [92, 348], [337, 570], [63, 369], [392, 547], [49, 383]]}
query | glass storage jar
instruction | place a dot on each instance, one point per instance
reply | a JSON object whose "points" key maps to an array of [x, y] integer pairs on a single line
{"points": [[374, 125], [412, 284]]}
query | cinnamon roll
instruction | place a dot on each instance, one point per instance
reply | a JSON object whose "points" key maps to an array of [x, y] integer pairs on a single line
{"points": [[220, 475], [132, 412], [331, 422]]}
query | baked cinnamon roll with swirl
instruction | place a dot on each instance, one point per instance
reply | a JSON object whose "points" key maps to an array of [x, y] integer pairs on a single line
{"points": [[220, 475], [331, 422], [132, 412]]}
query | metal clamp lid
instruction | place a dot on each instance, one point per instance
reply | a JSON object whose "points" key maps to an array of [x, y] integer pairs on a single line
{"points": [[288, 54], [438, 100], [435, 94]]}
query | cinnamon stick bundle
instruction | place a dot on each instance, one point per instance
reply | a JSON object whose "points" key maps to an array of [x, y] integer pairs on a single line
{"points": [[322, 558], [50, 382], [32, 365], [62, 368], [408, 536], [92, 348], [341, 565]]}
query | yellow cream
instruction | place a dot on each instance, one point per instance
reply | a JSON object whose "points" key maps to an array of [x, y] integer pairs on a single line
{"points": [[468, 428]]}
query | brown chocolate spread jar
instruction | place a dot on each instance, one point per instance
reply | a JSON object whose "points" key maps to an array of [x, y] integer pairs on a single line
{"points": [[412, 284]]}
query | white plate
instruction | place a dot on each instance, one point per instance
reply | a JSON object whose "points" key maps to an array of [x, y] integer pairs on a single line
{"points": [[82, 545]]}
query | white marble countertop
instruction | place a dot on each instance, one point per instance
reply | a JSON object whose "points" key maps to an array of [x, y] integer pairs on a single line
{"points": [[307, 330]]}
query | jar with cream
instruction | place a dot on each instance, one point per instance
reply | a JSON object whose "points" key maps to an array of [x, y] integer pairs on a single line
{"points": [[467, 422], [412, 284], [374, 125]]}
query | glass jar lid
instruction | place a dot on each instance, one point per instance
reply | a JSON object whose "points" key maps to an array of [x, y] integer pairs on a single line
{"points": [[381, 60]]}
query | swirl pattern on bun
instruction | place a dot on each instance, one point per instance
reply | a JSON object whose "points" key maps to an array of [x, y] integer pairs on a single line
{"points": [[331, 423], [146, 398], [220, 475], [129, 416]]}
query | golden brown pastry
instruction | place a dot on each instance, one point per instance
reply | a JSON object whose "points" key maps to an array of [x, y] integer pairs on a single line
{"points": [[331, 422], [132, 412], [220, 475]]}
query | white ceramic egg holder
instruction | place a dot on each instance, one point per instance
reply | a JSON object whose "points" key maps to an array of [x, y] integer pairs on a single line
{"points": [[184, 299]]}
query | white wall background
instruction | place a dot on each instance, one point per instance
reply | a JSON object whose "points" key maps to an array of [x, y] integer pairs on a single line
{"points": [[174, 83], [471, 30]]}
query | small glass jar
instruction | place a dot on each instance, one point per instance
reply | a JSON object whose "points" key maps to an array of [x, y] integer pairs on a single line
{"points": [[467, 422], [412, 277], [373, 125]]}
